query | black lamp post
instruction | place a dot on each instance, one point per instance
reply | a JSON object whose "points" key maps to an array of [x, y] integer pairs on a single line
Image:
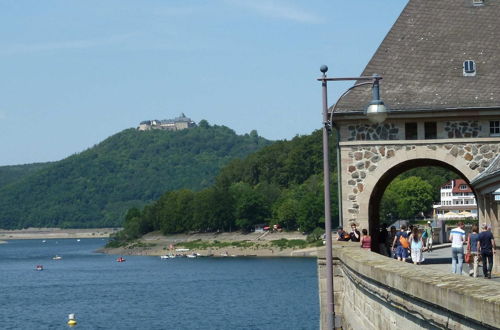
{"points": [[376, 113]]}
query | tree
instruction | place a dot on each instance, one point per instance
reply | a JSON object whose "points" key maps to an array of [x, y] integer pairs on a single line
{"points": [[410, 197]]}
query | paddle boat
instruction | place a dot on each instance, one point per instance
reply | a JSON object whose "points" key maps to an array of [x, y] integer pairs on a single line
{"points": [[120, 259], [39, 267]]}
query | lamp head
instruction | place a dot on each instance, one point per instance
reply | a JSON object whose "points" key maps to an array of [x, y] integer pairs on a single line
{"points": [[376, 110], [323, 68]]}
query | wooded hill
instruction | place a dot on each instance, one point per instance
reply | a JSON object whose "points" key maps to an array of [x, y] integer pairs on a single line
{"points": [[96, 187], [279, 184]]}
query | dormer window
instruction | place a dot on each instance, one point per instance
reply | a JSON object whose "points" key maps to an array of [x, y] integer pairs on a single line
{"points": [[469, 68]]}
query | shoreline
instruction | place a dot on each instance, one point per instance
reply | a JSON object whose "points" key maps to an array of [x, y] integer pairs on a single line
{"points": [[48, 233], [155, 244]]}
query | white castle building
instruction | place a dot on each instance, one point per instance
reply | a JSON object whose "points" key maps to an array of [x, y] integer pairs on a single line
{"points": [[457, 201], [176, 124]]}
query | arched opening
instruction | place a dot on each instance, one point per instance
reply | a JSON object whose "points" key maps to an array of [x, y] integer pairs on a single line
{"points": [[384, 181]]}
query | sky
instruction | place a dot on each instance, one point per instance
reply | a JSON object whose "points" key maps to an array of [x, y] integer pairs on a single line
{"points": [[73, 73]]}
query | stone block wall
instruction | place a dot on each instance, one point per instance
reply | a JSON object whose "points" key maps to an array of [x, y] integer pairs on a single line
{"points": [[376, 292]]}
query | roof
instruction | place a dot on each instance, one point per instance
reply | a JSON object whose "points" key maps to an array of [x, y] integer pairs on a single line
{"points": [[421, 58], [458, 183], [492, 171]]}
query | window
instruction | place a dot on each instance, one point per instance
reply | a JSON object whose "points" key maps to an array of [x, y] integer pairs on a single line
{"points": [[411, 132], [469, 68], [463, 186], [495, 128], [430, 129], [478, 2]]}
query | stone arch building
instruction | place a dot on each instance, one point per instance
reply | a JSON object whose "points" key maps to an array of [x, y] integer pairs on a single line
{"points": [[440, 64]]}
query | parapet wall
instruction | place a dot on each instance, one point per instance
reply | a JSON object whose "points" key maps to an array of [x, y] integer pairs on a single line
{"points": [[375, 292]]}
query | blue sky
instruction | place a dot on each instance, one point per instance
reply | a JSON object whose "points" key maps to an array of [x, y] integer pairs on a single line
{"points": [[73, 73]]}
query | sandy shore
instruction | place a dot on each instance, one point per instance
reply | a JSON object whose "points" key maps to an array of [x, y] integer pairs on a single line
{"points": [[47, 233], [155, 244]]}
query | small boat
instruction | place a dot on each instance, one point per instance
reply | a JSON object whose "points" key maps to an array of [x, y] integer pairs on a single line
{"points": [[78, 240], [44, 241], [39, 267], [168, 256], [57, 257], [121, 259], [193, 255]]}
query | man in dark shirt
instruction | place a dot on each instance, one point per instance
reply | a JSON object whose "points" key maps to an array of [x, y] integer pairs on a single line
{"points": [[486, 246], [355, 234]]}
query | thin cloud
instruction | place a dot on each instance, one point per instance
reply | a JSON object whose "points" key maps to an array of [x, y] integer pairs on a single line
{"points": [[280, 10], [63, 45]]}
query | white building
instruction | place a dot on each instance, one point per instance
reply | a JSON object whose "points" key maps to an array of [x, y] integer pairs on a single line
{"points": [[176, 124], [457, 201]]}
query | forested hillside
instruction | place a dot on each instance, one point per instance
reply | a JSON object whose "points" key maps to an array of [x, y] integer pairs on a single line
{"points": [[130, 169], [13, 173], [280, 184]]}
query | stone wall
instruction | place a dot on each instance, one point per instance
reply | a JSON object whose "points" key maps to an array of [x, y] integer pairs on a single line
{"points": [[376, 292]]}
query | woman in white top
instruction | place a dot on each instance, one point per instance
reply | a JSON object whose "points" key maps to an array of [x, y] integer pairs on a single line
{"points": [[417, 245], [457, 238]]}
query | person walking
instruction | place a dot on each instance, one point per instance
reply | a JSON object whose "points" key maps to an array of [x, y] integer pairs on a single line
{"points": [[400, 244], [366, 240], [390, 240], [382, 239], [457, 238], [472, 240], [417, 245], [486, 246], [427, 234]]}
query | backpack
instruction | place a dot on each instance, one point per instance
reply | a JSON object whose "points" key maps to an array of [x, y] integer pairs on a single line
{"points": [[404, 242], [424, 235]]}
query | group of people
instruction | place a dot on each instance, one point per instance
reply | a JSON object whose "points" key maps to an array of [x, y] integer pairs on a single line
{"points": [[410, 242], [355, 236], [480, 246]]}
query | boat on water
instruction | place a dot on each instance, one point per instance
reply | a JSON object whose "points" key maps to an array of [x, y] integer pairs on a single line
{"points": [[39, 267], [120, 259], [167, 256], [193, 255], [57, 257]]}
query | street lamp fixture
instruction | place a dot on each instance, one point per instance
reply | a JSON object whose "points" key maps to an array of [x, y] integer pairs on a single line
{"points": [[376, 113]]}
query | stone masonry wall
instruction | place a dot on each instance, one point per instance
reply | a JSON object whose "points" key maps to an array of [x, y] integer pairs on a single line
{"points": [[462, 129], [366, 159], [376, 292], [373, 132]]}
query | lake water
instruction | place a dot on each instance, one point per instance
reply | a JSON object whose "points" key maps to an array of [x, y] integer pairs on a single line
{"points": [[151, 293]]}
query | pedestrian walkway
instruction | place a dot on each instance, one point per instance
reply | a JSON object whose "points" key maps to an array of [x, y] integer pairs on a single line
{"points": [[440, 260]]}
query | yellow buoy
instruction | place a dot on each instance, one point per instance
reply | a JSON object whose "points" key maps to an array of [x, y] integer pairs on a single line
{"points": [[71, 320]]}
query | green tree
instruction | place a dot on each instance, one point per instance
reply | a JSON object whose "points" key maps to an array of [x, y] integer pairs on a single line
{"points": [[412, 196]]}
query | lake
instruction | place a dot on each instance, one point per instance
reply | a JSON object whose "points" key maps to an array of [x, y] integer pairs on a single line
{"points": [[147, 292]]}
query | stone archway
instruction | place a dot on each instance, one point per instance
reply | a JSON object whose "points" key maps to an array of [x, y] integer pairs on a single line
{"points": [[368, 165], [380, 187]]}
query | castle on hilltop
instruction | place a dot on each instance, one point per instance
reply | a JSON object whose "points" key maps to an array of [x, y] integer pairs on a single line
{"points": [[176, 124]]}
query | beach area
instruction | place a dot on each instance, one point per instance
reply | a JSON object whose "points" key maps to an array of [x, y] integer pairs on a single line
{"points": [[49, 233], [236, 244]]}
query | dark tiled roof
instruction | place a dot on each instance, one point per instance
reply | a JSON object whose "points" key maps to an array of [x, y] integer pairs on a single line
{"points": [[421, 58], [492, 171]]}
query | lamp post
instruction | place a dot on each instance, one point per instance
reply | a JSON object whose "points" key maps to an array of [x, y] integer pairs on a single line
{"points": [[376, 112]]}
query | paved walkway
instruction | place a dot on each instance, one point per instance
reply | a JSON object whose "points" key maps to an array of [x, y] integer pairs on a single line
{"points": [[440, 259]]}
